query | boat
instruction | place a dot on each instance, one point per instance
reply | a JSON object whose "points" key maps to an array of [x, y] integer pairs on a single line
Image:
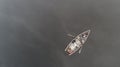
{"points": [[77, 43]]}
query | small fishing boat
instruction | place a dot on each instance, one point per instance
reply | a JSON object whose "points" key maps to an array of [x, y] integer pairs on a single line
{"points": [[77, 43]]}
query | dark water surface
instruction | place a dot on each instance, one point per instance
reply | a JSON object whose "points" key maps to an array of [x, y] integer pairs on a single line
{"points": [[33, 33]]}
